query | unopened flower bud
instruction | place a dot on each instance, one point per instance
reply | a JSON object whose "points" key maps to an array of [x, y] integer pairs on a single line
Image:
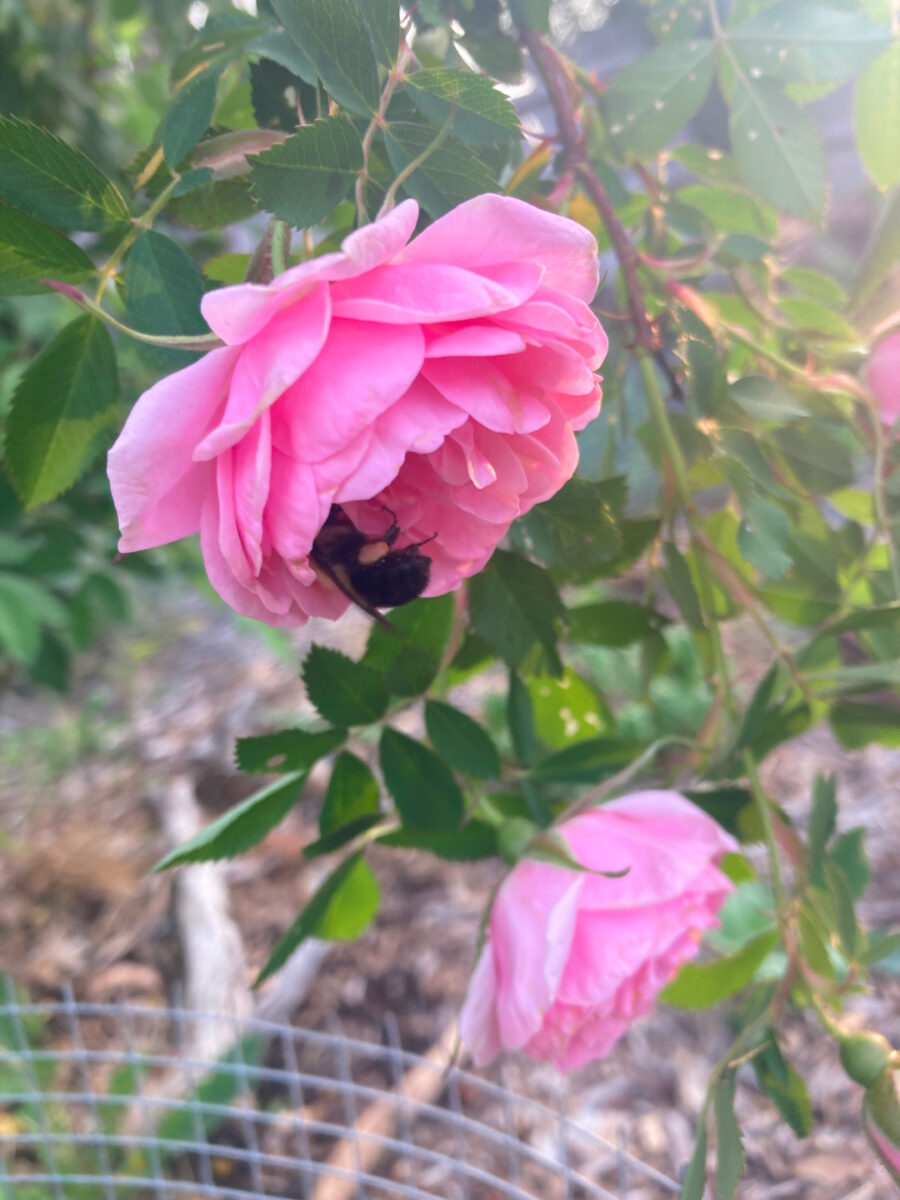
{"points": [[864, 1056]]}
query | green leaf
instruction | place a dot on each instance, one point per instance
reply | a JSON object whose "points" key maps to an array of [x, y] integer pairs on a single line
{"points": [[575, 529], [701, 985], [339, 837], [567, 709], [815, 284], [763, 536], [856, 724], [352, 792], [481, 114], [301, 180], [613, 623], [217, 43], [520, 719], [422, 625], [163, 290], [842, 904], [409, 663], [694, 1182], [815, 317], [821, 823], [189, 116], [382, 19], [681, 587], [778, 149], [877, 119], [816, 455], [335, 40], [730, 212], [242, 827], [62, 412], [784, 1087], [652, 99], [25, 606], [729, 1147], [423, 787], [278, 48], [49, 180], [734, 808], [882, 249], [447, 177], [345, 692], [31, 251], [476, 840], [586, 762], [766, 400], [850, 855], [342, 909], [287, 750], [807, 43], [513, 606], [461, 741]]}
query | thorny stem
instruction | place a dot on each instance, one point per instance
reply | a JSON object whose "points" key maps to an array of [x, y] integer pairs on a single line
{"points": [[556, 75], [378, 122]]}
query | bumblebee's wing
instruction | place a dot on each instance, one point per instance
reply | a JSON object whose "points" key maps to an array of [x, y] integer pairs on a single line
{"points": [[341, 580]]}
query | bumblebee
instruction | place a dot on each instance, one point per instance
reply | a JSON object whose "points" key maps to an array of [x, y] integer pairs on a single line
{"points": [[368, 570]]}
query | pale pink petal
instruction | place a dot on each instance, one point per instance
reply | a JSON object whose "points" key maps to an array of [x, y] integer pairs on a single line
{"points": [[531, 927], [478, 1028], [664, 840], [399, 295], [153, 454], [883, 376], [242, 599], [252, 472], [268, 365], [483, 390], [416, 425], [372, 245], [475, 341], [361, 371], [494, 229], [239, 312], [296, 510]]}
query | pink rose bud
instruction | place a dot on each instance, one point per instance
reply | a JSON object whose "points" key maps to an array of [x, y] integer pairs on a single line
{"points": [[881, 1121], [883, 376], [571, 958], [441, 379]]}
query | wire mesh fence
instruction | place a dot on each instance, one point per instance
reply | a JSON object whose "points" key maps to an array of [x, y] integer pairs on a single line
{"points": [[110, 1101]]}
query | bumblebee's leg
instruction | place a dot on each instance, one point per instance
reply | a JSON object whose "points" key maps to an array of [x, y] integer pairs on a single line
{"points": [[391, 534]]}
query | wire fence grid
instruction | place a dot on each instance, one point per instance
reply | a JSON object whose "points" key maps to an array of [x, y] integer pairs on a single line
{"points": [[107, 1101]]}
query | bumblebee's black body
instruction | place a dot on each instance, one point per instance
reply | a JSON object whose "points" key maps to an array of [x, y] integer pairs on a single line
{"points": [[366, 569]]}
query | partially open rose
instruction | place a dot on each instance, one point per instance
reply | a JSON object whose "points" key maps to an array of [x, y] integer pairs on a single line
{"points": [[572, 958], [442, 378]]}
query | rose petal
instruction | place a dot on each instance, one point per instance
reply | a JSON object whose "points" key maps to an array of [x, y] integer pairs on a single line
{"points": [[152, 456], [492, 229]]}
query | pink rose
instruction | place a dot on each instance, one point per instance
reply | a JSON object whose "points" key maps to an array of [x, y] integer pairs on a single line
{"points": [[571, 959], [442, 378], [883, 376]]}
